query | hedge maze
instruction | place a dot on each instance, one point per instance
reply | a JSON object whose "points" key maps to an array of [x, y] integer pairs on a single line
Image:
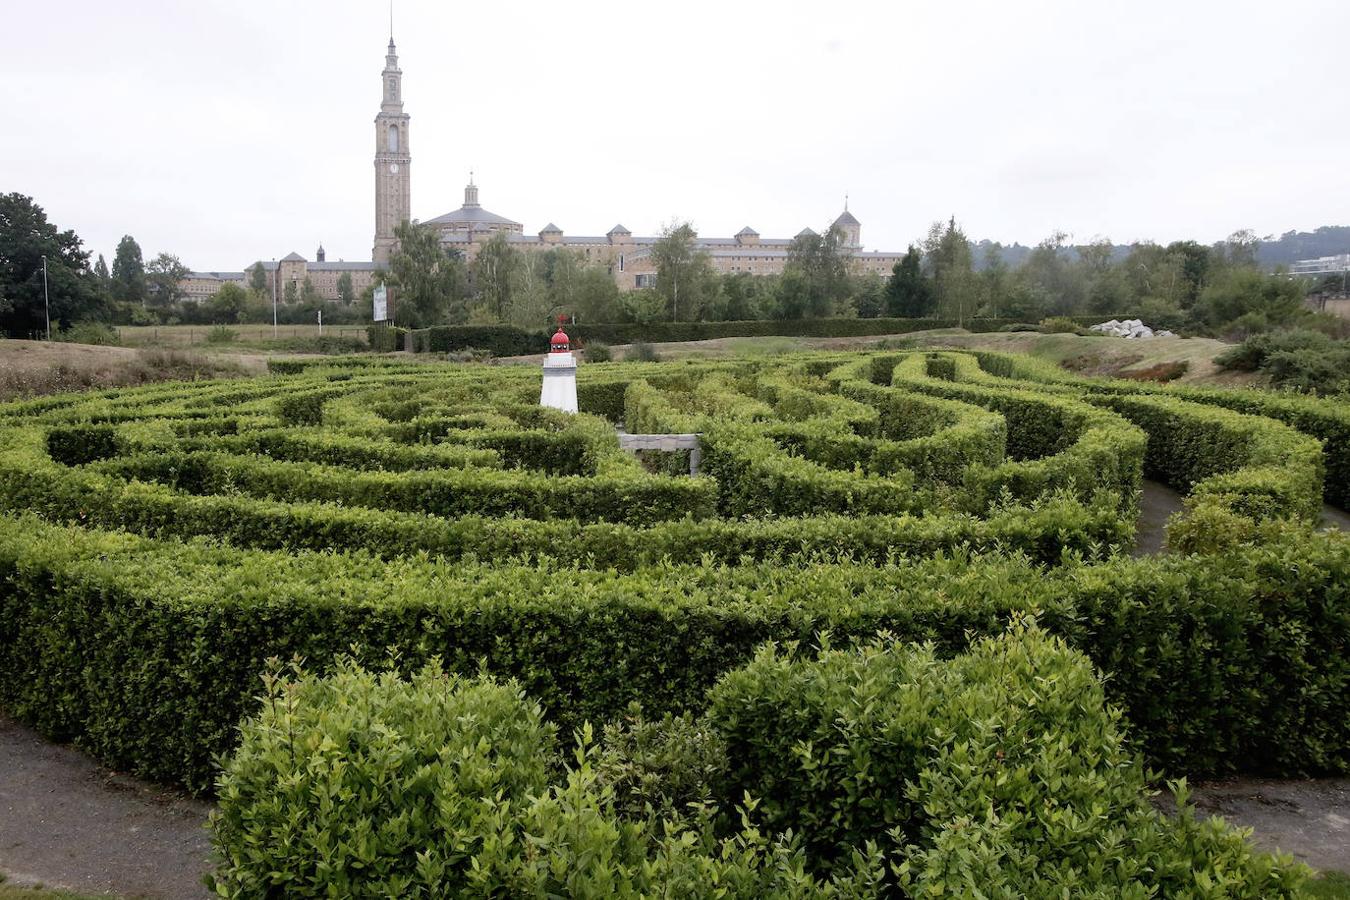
{"points": [[159, 545]]}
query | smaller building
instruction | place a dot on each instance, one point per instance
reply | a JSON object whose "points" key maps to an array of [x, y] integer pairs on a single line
{"points": [[291, 269], [200, 286], [1322, 265]]}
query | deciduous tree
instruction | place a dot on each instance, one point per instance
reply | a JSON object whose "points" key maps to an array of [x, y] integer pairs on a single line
{"points": [[128, 272], [25, 237], [430, 280]]}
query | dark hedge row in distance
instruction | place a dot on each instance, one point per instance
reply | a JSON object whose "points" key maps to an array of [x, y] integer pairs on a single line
{"points": [[507, 340], [147, 652]]}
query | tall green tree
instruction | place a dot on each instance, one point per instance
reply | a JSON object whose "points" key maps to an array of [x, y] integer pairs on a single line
{"points": [[496, 276], [822, 263], [164, 276], [685, 277], [25, 237], [346, 294], [948, 255], [128, 272], [430, 281], [103, 277], [909, 294], [257, 279], [1052, 270], [227, 305]]}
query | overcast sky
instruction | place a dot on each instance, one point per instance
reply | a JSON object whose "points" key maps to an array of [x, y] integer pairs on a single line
{"points": [[230, 130]]}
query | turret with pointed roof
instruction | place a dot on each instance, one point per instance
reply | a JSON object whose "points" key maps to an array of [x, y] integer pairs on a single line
{"points": [[849, 227]]}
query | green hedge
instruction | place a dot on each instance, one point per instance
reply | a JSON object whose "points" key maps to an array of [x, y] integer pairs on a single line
{"points": [[384, 338], [633, 499], [147, 652], [999, 773], [1327, 420], [1256, 467], [874, 772], [1045, 532]]}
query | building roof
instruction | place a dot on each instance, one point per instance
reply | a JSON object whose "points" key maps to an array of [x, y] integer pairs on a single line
{"points": [[550, 228], [747, 231], [292, 257], [846, 218], [470, 215], [216, 276], [806, 232], [618, 229], [342, 266]]}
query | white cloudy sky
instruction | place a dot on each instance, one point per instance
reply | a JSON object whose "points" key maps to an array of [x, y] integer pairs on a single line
{"points": [[231, 130]]}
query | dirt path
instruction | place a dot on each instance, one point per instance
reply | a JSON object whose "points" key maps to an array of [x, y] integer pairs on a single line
{"points": [[1157, 502], [1309, 818], [67, 822]]}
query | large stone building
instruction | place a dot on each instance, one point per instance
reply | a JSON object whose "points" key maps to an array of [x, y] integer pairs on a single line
{"points": [[627, 257]]}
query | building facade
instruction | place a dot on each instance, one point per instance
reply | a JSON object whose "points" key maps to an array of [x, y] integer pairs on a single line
{"points": [[628, 257]]}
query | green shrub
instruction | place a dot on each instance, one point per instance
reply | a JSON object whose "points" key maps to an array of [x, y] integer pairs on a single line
{"points": [[361, 784], [641, 351], [661, 769], [75, 445], [1059, 325], [1003, 768], [221, 334], [301, 408], [598, 352], [89, 333]]}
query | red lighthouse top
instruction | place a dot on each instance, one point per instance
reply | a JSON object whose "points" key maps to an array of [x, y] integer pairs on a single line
{"points": [[560, 342]]}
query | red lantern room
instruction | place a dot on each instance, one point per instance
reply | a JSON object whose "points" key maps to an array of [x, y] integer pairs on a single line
{"points": [[560, 342]]}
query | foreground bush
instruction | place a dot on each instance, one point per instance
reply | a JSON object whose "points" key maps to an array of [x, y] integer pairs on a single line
{"points": [[882, 771], [364, 785]]}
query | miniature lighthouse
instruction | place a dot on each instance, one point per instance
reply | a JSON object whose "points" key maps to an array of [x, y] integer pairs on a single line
{"points": [[560, 375]]}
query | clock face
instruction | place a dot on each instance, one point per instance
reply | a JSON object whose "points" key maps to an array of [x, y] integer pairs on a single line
{"points": [[393, 168]]}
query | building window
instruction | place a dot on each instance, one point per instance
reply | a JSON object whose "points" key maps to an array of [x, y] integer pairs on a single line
{"points": [[392, 143]]}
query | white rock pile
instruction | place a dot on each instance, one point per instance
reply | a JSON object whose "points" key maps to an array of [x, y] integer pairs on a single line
{"points": [[1130, 328]]}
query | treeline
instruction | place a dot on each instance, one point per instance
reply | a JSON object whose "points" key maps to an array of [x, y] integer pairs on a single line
{"points": [[1183, 286]]}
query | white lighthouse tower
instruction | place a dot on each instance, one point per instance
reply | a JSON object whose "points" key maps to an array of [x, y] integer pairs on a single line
{"points": [[560, 375]]}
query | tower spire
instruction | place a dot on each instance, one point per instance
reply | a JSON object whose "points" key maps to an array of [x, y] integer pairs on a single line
{"points": [[391, 21]]}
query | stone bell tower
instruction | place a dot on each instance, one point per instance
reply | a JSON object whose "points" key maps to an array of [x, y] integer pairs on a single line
{"points": [[393, 198]]}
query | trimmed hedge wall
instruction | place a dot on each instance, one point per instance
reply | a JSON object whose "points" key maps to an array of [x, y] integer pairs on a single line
{"points": [[148, 652], [1327, 420]]}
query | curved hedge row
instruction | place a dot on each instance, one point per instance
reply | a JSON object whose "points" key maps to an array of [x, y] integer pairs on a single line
{"points": [[1324, 419], [147, 651]]}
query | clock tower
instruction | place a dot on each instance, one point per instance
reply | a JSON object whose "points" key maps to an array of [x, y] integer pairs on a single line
{"points": [[393, 202]]}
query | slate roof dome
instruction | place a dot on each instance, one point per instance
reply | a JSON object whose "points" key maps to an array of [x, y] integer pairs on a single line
{"points": [[747, 231], [471, 216], [846, 218]]}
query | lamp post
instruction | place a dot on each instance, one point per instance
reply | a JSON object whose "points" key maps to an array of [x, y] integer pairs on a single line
{"points": [[276, 273], [46, 300]]}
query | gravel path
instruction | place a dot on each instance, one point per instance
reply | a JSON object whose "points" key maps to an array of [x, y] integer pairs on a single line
{"points": [[69, 823]]}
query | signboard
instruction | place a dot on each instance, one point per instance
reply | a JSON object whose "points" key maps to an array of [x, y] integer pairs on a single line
{"points": [[381, 304]]}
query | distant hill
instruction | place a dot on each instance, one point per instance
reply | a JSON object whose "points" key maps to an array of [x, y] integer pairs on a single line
{"points": [[1329, 240]]}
